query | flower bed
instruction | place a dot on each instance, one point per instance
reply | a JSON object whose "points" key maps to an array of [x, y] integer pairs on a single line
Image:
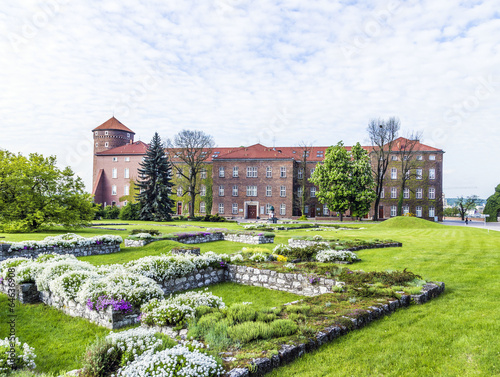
{"points": [[65, 244], [350, 245], [14, 355]]}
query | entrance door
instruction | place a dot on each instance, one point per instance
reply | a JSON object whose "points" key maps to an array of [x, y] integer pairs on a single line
{"points": [[380, 212], [313, 211], [179, 208], [252, 212]]}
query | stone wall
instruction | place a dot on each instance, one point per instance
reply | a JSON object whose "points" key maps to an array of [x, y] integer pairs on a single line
{"points": [[246, 238], [196, 279], [79, 251], [201, 239], [288, 282]]}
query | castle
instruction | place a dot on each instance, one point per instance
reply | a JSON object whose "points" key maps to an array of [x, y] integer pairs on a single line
{"points": [[245, 182]]}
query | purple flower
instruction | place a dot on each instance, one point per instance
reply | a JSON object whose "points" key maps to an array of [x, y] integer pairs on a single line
{"points": [[25, 247], [104, 302]]}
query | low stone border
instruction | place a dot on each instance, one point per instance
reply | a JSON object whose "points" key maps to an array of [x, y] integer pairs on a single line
{"points": [[289, 353], [196, 279], [183, 251], [246, 238], [79, 251], [301, 243]]}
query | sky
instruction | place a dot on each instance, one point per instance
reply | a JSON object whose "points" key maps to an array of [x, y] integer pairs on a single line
{"points": [[275, 72]]}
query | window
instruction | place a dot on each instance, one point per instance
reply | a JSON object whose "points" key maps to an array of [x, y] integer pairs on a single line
{"points": [[251, 171], [179, 191], [268, 208], [126, 173], [325, 210], [127, 159], [283, 209], [126, 190], [203, 190], [419, 173], [312, 171], [283, 191], [202, 207], [106, 144], [419, 193], [319, 154], [394, 173], [394, 192], [299, 192], [269, 172], [251, 190], [96, 133], [96, 144], [125, 203], [283, 172], [394, 157], [235, 190], [382, 193], [221, 190], [418, 211], [432, 173], [432, 212], [300, 173], [406, 193], [432, 193], [419, 157], [221, 172], [203, 173], [113, 190], [394, 211], [306, 209], [235, 171], [234, 210], [313, 192], [221, 208], [106, 133], [269, 191], [406, 209], [115, 173], [432, 157], [115, 159]]}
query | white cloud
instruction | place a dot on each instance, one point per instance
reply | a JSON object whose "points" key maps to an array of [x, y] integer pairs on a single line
{"points": [[254, 71]]}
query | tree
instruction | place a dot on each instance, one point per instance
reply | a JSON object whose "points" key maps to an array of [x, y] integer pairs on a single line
{"points": [[492, 206], [35, 193], [301, 199], [362, 182], [407, 150], [465, 204], [332, 177], [382, 134], [155, 184], [192, 149]]}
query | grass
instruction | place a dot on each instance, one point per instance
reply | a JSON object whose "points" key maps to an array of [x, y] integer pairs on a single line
{"points": [[453, 335]]}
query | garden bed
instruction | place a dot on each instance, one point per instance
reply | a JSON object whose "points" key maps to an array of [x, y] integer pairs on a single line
{"points": [[350, 245]]}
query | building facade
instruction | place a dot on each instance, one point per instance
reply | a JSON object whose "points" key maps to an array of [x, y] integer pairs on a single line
{"points": [[247, 182]]}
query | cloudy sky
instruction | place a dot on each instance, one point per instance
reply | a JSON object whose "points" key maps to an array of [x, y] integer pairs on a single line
{"points": [[275, 72]]}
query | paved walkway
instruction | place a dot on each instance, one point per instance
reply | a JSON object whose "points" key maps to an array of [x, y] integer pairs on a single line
{"points": [[476, 223]]}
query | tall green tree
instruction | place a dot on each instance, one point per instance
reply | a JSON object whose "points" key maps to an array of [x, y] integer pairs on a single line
{"points": [[35, 193], [155, 183], [333, 179], [492, 206], [465, 204], [362, 182]]}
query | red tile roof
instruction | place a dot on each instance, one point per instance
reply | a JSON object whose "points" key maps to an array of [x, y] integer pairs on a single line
{"points": [[418, 147], [135, 148], [113, 124]]}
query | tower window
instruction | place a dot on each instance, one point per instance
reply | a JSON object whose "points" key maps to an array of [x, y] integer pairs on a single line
{"points": [[96, 144], [106, 132], [96, 133], [106, 144], [128, 135]]}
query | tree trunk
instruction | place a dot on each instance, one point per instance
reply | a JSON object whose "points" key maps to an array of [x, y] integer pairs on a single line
{"points": [[375, 213], [341, 217]]}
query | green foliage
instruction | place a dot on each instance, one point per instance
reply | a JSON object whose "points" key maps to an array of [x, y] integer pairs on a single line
{"points": [[248, 331], [238, 313], [405, 222], [345, 180], [304, 309], [153, 232], [492, 206], [110, 212], [35, 193], [98, 362], [130, 212], [283, 327], [156, 184], [357, 278], [465, 204]]}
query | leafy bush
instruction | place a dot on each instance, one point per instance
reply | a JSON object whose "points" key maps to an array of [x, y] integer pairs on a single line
{"points": [[238, 313], [247, 331], [153, 232], [283, 327], [388, 278], [130, 212], [22, 357]]}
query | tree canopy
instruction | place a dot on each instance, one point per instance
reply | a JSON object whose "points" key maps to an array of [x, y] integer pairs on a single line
{"points": [[345, 180], [35, 193], [155, 183], [465, 204], [492, 206]]}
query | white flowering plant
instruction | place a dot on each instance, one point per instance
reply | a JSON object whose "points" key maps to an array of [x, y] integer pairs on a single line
{"points": [[330, 255], [258, 257], [68, 284], [134, 342], [174, 362], [237, 258], [66, 240], [317, 237], [11, 263], [281, 249], [22, 357]]}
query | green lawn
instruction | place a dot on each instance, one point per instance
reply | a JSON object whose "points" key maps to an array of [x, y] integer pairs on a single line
{"points": [[453, 335]]}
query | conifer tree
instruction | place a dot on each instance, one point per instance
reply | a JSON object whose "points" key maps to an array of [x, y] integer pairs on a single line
{"points": [[155, 183]]}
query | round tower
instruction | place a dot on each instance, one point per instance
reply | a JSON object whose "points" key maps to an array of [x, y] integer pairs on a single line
{"points": [[111, 134]]}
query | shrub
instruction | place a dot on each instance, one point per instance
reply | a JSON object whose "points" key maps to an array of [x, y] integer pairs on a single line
{"points": [[304, 309], [68, 284], [24, 356], [101, 359], [176, 361], [130, 212], [153, 232], [238, 313], [248, 331], [283, 327]]}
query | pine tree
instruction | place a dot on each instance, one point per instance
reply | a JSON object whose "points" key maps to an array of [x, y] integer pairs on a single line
{"points": [[156, 183]]}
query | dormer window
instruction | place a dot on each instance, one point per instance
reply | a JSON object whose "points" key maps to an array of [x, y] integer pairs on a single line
{"points": [[115, 159]]}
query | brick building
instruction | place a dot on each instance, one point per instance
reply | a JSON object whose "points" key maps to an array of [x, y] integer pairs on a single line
{"points": [[245, 182]]}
